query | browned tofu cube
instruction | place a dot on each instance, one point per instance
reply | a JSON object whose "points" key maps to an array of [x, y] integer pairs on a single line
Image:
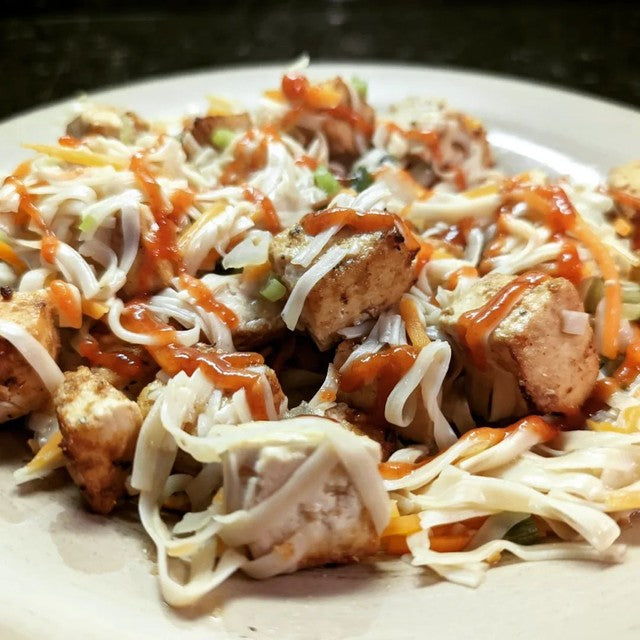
{"points": [[99, 427], [372, 277], [361, 424], [21, 389], [329, 524], [107, 121], [555, 370], [626, 179]]}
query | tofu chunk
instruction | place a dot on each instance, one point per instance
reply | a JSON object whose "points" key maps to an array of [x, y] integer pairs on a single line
{"points": [[202, 128], [143, 279], [361, 424], [371, 278], [626, 178], [555, 370], [21, 389], [334, 525], [106, 121], [148, 397], [259, 321], [99, 427], [346, 140], [364, 401]]}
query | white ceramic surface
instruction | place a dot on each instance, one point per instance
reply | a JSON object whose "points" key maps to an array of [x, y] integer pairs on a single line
{"points": [[65, 573]]}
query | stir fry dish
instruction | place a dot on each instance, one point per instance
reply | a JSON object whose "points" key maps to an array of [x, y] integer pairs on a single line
{"points": [[316, 333]]}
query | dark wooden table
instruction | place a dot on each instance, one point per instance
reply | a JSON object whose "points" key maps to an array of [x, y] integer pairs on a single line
{"points": [[51, 50]]}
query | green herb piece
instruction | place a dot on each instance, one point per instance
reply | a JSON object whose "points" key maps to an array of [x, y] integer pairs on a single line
{"points": [[88, 223], [360, 86], [325, 180], [221, 138], [273, 290]]}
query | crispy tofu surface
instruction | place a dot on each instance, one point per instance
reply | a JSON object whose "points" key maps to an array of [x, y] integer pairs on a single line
{"points": [[107, 121], [339, 528], [99, 427], [371, 278], [626, 178], [556, 370], [21, 389]]}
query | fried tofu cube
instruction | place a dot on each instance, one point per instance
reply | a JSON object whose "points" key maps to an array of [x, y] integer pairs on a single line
{"points": [[372, 277], [329, 524], [99, 427], [21, 389], [106, 121], [361, 424], [555, 370], [626, 179]]}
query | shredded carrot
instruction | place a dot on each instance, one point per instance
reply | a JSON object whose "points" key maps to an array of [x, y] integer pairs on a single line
{"points": [[274, 94], [450, 543], [185, 238], [395, 545], [478, 192], [94, 309], [256, 272], [8, 255], [219, 106], [623, 227], [402, 526], [78, 156], [22, 169], [66, 300], [612, 291], [49, 455], [413, 324]]}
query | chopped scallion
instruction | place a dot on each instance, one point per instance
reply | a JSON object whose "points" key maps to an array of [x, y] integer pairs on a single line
{"points": [[360, 86], [594, 294], [325, 180], [273, 290], [88, 223], [361, 179], [221, 138]]}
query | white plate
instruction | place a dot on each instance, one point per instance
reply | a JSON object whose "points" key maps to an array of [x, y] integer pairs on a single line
{"points": [[65, 573]]}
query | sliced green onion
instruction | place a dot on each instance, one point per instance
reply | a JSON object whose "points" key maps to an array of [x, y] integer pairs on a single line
{"points": [[221, 138], [524, 532], [595, 293], [325, 180], [631, 311], [360, 86], [88, 223], [361, 179], [273, 290], [631, 292]]}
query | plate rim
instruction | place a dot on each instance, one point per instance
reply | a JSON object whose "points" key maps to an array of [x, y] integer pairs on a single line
{"points": [[462, 72]]}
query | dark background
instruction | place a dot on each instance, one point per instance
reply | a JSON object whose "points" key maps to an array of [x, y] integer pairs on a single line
{"points": [[50, 50]]}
